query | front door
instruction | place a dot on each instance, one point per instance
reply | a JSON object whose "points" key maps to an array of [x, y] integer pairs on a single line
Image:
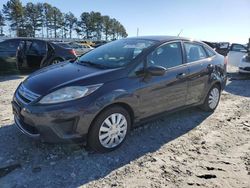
{"points": [[166, 92], [35, 53], [8, 54]]}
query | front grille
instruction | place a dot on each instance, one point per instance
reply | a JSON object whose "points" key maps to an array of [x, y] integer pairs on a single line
{"points": [[25, 95]]}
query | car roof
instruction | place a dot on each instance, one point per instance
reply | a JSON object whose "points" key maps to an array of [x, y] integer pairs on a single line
{"points": [[25, 38], [161, 38]]}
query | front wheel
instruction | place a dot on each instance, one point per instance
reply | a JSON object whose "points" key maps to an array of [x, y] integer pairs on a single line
{"points": [[109, 130], [212, 99]]}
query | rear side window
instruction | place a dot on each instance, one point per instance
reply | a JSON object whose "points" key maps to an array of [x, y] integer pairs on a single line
{"points": [[168, 55], [10, 45], [210, 52], [194, 52], [37, 48]]}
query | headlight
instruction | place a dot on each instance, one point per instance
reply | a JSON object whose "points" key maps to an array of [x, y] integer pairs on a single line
{"points": [[68, 94], [246, 59]]}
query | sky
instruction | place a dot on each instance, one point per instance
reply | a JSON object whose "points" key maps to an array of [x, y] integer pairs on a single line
{"points": [[211, 20]]}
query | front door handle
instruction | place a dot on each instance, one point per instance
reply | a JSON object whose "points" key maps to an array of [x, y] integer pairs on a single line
{"points": [[181, 75]]}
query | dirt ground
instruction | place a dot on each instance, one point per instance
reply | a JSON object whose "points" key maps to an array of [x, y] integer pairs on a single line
{"points": [[190, 148]]}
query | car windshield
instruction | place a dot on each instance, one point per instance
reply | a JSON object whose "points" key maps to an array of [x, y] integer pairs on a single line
{"points": [[116, 54]]}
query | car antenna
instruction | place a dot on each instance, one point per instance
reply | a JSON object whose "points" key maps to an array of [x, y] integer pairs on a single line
{"points": [[180, 33]]}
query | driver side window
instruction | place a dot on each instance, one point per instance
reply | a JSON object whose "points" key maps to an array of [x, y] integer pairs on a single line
{"points": [[168, 55]]}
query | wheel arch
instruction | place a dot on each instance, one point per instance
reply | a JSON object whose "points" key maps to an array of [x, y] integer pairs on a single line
{"points": [[217, 83], [124, 105]]}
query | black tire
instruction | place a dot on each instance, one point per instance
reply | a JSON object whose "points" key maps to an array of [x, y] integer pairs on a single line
{"points": [[206, 106], [93, 141]]}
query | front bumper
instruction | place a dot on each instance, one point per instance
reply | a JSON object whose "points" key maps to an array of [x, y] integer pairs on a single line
{"points": [[244, 67], [61, 123]]}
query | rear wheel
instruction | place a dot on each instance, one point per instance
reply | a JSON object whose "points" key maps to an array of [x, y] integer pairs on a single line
{"points": [[212, 99], [109, 130]]}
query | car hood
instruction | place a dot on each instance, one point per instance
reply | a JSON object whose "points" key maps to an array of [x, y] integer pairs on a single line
{"points": [[63, 74]]}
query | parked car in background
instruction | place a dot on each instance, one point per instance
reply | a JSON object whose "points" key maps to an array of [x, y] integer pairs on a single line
{"points": [[8, 49], [103, 94], [88, 42], [80, 49], [244, 65], [35, 53], [220, 47], [99, 43], [236, 53]]}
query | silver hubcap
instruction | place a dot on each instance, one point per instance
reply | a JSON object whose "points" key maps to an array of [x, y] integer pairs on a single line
{"points": [[213, 98], [113, 130]]}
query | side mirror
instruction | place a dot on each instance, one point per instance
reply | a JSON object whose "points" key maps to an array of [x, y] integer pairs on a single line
{"points": [[156, 70]]}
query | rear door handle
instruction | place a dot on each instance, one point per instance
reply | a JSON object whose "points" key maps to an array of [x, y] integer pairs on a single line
{"points": [[181, 75]]}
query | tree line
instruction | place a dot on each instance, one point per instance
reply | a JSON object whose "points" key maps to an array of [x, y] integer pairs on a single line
{"points": [[45, 20]]}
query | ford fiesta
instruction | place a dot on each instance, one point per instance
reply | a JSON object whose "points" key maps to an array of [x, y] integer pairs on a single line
{"points": [[106, 92]]}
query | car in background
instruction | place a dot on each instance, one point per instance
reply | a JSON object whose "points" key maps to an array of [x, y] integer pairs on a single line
{"points": [[8, 49], [107, 91], [88, 42], [99, 43], [35, 53], [235, 54], [80, 49], [244, 65], [220, 47]]}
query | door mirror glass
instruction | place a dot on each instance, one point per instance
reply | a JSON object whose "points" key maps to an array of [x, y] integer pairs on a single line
{"points": [[156, 70]]}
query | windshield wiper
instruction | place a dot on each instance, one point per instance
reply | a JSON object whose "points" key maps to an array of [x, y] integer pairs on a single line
{"points": [[86, 63]]}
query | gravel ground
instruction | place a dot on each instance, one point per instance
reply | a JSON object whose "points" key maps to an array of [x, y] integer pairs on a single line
{"points": [[190, 148]]}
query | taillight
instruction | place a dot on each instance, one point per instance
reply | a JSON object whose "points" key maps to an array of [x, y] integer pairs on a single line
{"points": [[72, 51]]}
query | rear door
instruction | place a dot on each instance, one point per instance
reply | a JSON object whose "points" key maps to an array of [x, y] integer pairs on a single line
{"points": [[198, 63], [235, 54], [8, 50], [8, 55], [166, 92]]}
